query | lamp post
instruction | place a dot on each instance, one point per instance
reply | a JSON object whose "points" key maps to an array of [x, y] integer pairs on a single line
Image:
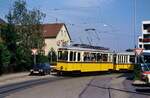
{"points": [[51, 56], [134, 23]]}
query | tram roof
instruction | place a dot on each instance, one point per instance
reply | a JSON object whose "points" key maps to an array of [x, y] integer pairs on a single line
{"points": [[126, 53], [82, 49]]}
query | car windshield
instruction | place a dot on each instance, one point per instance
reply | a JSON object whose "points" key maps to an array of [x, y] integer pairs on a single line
{"points": [[145, 67], [41, 65]]}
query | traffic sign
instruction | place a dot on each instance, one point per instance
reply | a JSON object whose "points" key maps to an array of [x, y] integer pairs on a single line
{"points": [[138, 51], [34, 51]]}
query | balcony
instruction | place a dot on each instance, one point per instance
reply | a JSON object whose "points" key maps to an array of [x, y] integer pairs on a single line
{"points": [[146, 40]]}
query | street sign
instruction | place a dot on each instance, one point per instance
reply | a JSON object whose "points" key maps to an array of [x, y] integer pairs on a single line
{"points": [[138, 51], [34, 51]]}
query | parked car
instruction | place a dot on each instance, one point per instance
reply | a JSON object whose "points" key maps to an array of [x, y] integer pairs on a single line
{"points": [[42, 69], [145, 72]]}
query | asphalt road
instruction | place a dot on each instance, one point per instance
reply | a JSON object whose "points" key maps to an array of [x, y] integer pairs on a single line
{"points": [[96, 86]]}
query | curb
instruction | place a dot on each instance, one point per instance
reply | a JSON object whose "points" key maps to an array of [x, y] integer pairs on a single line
{"points": [[138, 82]]}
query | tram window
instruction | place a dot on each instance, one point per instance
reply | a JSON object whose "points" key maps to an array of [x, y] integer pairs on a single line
{"points": [[63, 55], [99, 57], [93, 56], [71, 56], [74, 56], [79, 56], [119, 59], [86, 56], [132, 58], [125, 61], [104, 57]]}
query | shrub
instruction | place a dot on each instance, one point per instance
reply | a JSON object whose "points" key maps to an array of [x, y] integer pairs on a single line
{"points": [[41, 59]]}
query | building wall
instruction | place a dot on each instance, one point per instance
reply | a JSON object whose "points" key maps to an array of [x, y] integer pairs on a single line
{"points": [[144, 39], [50, 43], [63, 37], [61, 40]]}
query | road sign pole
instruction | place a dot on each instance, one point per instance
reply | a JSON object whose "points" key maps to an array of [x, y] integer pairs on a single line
{"points": [[34, 59], [138, 52], [34, 52]]}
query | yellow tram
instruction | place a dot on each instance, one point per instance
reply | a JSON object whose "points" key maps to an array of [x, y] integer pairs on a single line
{"points": [[124, 61], [74, 59]]}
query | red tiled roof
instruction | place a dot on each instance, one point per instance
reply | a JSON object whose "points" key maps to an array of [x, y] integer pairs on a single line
{"points": [[51, 30]]}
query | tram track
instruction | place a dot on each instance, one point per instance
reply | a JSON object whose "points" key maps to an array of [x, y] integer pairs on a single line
{"points": [[90, 85], [120, 90], [110, 90]]}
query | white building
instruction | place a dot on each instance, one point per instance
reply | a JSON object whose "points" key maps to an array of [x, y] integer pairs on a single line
{"points": [[55, 35], [144, 39]]}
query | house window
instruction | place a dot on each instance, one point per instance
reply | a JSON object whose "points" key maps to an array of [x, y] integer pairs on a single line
{"points": [[140, 40], [146, 26], [140, 46]]}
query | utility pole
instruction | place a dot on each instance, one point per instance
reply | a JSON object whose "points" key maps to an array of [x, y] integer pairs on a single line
{"points": [[134, 23]]}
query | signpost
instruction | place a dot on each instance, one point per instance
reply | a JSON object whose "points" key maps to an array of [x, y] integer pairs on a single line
{"points": [[138, 52], [34, 53]]}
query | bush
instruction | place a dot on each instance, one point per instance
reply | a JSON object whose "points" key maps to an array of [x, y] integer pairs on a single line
{"points": [[137, 71], [41, 59], [23, 59]]}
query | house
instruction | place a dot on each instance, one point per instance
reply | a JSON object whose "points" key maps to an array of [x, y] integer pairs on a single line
{"points": [[144, 39], [55, 35]]}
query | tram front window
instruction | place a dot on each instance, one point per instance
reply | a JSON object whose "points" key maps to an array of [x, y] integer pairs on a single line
{"points": [[63, 55]]}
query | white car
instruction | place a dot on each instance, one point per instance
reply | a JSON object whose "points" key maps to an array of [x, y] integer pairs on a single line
{"points": [[145, 73]]}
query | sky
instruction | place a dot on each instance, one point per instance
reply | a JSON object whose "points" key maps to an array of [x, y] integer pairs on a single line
{"points": [[113, 20]]}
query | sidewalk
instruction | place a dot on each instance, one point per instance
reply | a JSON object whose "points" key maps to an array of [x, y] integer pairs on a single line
{"points": [[13, 76], [19, 77]]}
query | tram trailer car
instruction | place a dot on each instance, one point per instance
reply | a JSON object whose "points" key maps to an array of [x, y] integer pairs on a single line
{"points": [[75, 59], [124, 61]]}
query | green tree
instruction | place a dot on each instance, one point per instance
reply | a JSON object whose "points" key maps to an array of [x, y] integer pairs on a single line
{"points": [[4, 58], [29, 31], [28, 25], [22, 33], [52, 56]]}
